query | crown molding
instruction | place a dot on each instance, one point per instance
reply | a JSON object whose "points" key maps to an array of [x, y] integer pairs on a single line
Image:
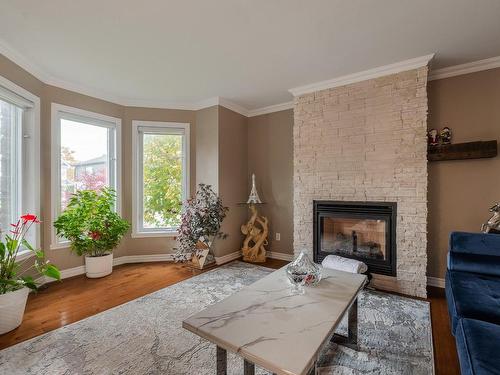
{"points": [[270, 109], [20, 60], [206, 103], [233, 106], [471, 67], [364, 75]]}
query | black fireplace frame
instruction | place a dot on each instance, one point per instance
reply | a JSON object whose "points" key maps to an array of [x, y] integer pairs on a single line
{"points": [[344, 209]]}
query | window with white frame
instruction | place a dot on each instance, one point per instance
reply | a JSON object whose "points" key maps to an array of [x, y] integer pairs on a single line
{"points": [[19, 153], [161, 176], [85, 155]]}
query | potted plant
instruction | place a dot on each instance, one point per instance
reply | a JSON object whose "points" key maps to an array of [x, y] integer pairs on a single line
{"points": [[15, 284], [93, 228], [201, 220]]}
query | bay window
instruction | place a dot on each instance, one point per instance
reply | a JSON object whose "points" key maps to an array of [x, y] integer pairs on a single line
{"points": [[19, 154], [85, 156], [161, 177]]}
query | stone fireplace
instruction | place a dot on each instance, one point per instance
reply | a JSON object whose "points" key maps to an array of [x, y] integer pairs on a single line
{"points": [[365, 231], [366, 142]]}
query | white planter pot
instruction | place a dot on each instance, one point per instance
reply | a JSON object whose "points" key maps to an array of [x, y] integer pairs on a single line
{"points": [[12, 306], [98, 266]]}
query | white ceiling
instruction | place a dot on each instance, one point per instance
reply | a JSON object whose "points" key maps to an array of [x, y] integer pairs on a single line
{"points": [[249, 52]]}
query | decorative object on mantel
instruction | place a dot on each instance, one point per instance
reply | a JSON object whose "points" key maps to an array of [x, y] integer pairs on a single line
{"points": [[462, 151], [493, 223], [253, 249], [432, 138], [302, 271], [201, 220], [336, 262], [445, 136]]}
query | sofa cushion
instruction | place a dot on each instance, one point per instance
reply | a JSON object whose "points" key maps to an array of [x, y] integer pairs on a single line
{"points": [[483, 264], [478, 347], [474, 296]]}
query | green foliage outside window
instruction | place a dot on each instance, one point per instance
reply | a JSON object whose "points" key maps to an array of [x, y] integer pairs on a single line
{"points": [[162, 169]]}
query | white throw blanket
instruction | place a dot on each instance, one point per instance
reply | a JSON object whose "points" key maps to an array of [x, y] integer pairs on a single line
{"points": [[336, 262]]}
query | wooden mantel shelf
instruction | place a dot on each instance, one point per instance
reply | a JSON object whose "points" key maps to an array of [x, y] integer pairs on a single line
{"points": [[461, 151]]}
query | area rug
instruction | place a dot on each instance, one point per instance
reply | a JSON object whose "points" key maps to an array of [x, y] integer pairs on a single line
{"points": [[145, 336]]}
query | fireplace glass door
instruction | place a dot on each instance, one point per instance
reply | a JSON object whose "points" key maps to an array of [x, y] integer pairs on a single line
{"points": [[365, 231], [343, 236]]}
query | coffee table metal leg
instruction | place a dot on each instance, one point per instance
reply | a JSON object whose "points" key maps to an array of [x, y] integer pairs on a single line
{"points": [[221, 361], [351, 340], [248, 368], [312, 370]]}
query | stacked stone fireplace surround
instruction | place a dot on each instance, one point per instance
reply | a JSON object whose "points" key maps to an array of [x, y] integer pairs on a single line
{"points": [[367, 142]]}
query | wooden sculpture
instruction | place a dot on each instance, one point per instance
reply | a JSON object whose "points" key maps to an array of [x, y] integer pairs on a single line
{"points": [[256, 238]]}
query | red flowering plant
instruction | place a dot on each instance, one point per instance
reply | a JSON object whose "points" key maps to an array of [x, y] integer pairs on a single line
{"points": [[11, 278], [91, 223]]}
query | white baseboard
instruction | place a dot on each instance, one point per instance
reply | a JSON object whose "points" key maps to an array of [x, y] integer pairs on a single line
{"points": [[142, 258], [70, 272], [80, 270], [435, 281], [280, 256], [228, 258], [237, 254]]}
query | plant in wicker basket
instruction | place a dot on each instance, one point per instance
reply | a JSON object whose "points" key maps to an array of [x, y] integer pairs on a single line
{"points": [[201, 221]]}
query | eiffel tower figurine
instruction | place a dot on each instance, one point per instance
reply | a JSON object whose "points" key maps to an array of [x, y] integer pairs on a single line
{"points": [[255, 230], [253, 198]]}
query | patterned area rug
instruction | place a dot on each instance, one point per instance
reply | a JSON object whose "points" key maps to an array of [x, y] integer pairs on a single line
{"points": [[145, 336]]}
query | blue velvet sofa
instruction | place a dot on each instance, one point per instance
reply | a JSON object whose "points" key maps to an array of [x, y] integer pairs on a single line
{"points": [[473, 297]]}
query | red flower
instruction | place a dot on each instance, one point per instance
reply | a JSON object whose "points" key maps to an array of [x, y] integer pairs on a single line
{"points": [[95, 235], [29, 217]]}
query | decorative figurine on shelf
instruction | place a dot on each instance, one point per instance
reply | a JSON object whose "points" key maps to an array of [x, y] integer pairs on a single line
{"points": [[256, 238], [433, 138], [445, 136], [493, 223], [253, 198]]}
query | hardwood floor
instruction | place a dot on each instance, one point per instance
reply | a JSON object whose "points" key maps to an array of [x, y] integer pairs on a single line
{"points": [[445, 352], [77, 298]]}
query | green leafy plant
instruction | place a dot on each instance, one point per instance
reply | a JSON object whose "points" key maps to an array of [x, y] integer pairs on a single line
{"points": [[11, 278], [201, 220], [91, 224], [162, 180]]}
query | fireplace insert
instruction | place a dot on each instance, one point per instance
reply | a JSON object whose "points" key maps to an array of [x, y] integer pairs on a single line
{"points": [[359, 230]]}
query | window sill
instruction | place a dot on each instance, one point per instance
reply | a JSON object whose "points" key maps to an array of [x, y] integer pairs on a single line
{"points": [[25, 254], [60, 245], [154, 234]]}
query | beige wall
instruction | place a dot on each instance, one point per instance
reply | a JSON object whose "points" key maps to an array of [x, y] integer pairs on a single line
{"points": [[207, 147], [20, 76], [270, 157], [232, 177], [461, 191]]}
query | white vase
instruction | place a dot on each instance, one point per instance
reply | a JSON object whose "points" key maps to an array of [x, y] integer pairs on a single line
{"points": [[98, 266], [12, 305]]}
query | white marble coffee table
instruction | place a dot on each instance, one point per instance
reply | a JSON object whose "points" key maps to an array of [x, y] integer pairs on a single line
{"points": [[276, 329]]}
